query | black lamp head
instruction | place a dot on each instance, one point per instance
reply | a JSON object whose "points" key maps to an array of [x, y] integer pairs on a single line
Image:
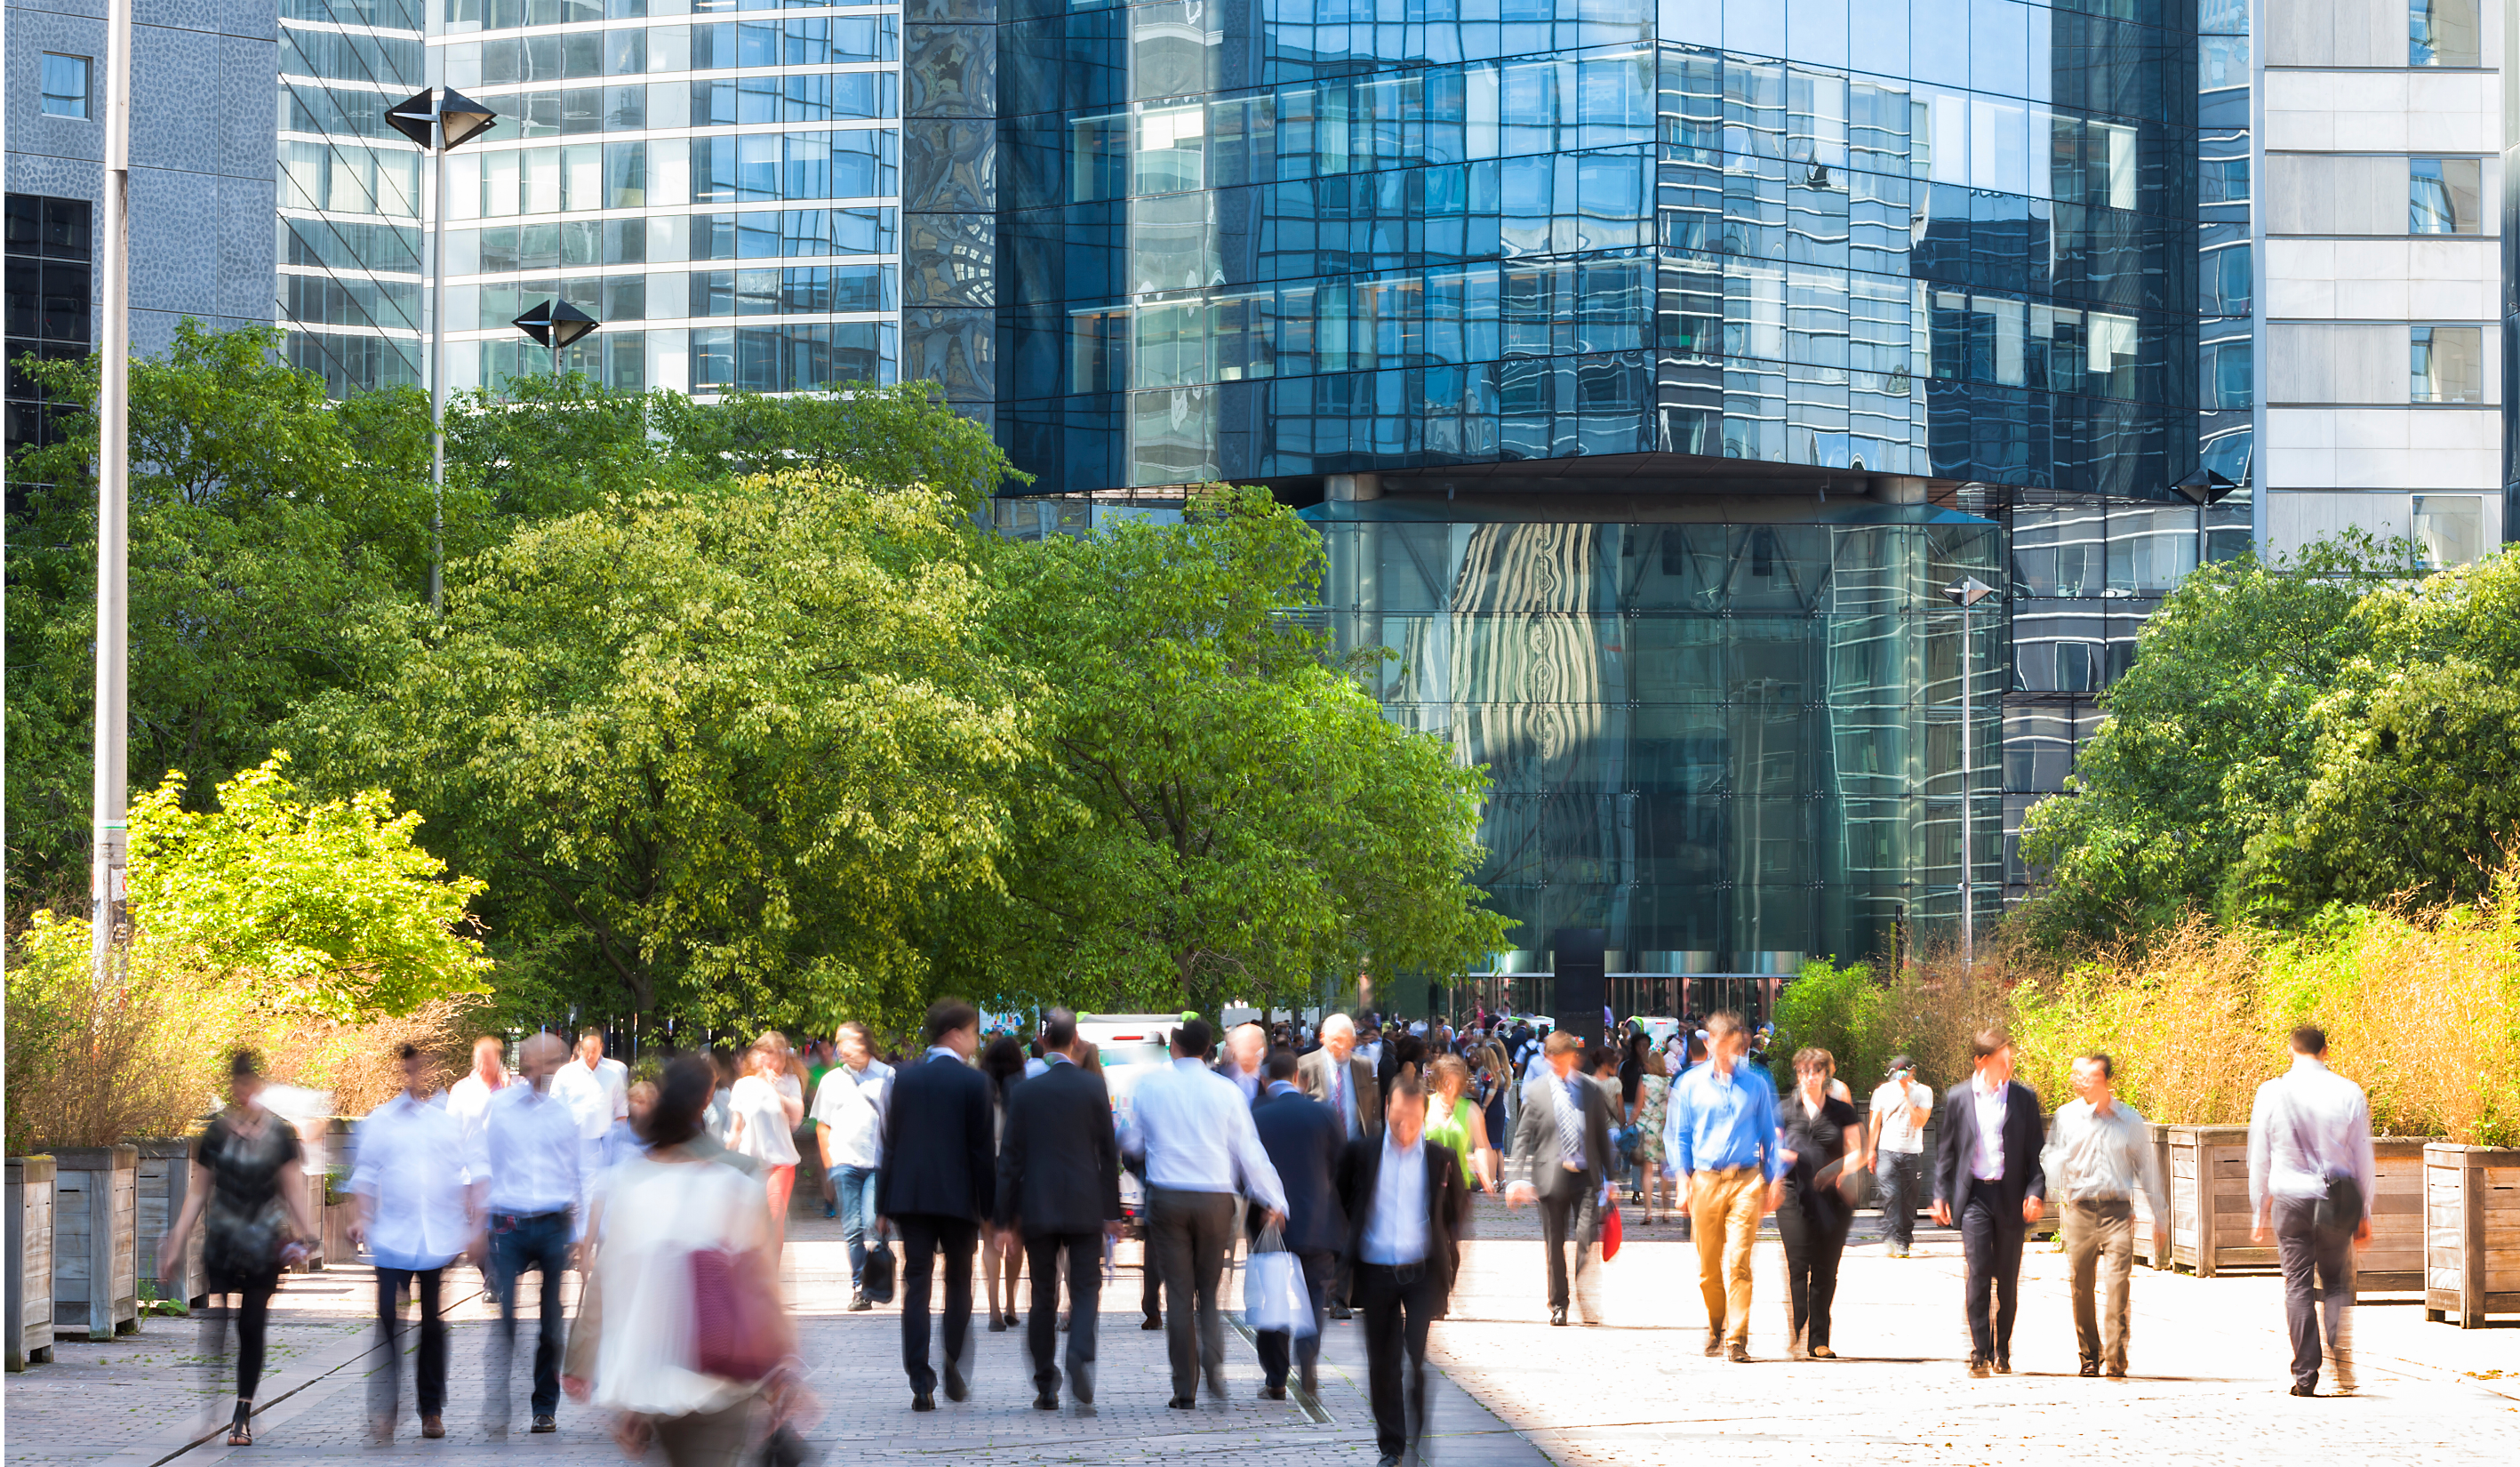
{"points": [[465, 118], [1967, 591], [556, 323], [2204, 487]]}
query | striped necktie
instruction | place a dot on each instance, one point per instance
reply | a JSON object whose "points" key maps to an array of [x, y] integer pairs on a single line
{"points": [[1570, 1125]]}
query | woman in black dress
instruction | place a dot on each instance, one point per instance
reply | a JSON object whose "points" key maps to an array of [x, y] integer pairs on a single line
{"points": [[1823, 1143], [249, 1191]]}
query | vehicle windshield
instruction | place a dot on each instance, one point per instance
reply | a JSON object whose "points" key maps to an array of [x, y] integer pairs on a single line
{"points": [[1140, 1053]]}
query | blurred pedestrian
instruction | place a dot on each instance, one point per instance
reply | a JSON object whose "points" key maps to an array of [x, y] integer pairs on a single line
{"points": [[1245, 1046], [627, 1138], [467, 1100], [1822, 1141], [763, 1119], [1653, 1105], [1562, 1159], [1900, 1106], [1195, 1131], [938, 1183], [1405, 1209], [1721, 1140], [1987, 1183], [1460, 1124], [248, 1193], [848, 1127], [415, 1217], [2310, 1184], [1340, 1077], [596, 1089], [2098, 1152], [1002, 1253], [533, 1159], [667, 1222], [1303, 1139], [1059, 1193]]}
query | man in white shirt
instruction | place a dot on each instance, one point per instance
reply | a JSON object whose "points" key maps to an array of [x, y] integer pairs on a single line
{"points": [[2310, 1175], [848, 1124], [596, 1089], [1899, 1107], [532, 1157], [2099, 1155], [467, 1100], [1195, 1129], [413, 1218], [1405, 1203]]}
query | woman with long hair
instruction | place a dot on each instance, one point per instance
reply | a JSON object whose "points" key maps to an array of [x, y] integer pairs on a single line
{"points": [[1654, 1100], [761, 1132], [1452, 1119], [1003, 1062], [249, 1191], [1821, 1140]]}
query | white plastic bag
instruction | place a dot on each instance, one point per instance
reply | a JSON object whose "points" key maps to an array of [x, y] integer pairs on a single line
{"points": [[1273, 1296]]}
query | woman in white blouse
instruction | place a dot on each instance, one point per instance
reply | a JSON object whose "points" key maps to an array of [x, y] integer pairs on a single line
{"points": [[764, 1118]]}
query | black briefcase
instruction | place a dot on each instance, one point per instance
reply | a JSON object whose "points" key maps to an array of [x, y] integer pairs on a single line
{"points": [[876, 1282]]}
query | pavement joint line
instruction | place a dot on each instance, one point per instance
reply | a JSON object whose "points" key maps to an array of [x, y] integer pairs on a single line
{"points": [[1312, 1404]]}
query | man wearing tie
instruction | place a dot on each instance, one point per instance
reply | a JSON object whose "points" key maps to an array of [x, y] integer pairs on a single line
{"points": [[1560, 1149], [1339, 1078], [1058, 1178], [1303, 1138], [938, 1182], [1406, 1206], [1988, 1178]]}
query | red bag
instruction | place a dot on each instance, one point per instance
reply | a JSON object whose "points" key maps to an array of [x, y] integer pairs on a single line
{"points": [[734, 1327], [1609, 1232]]}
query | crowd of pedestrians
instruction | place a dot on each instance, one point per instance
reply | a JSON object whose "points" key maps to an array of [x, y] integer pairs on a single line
{"points": [[1344, 1157]]}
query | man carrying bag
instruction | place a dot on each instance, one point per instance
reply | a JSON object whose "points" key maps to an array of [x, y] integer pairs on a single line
{"points": [[1303, 1137], [2310, 1172]]}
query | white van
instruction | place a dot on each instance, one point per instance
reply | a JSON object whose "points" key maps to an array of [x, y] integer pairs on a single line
{"points": [[1132, 1046]]}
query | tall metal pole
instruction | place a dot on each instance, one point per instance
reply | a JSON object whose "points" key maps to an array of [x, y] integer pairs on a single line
{"points": [[437, 373], [1968, 790], [113, 504]]}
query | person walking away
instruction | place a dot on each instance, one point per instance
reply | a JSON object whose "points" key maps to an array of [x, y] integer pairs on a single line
{"points": [[938, 1182], [1001, 1250], [249, 1194], [1303, 1138], [533, 1158], [1721, 1141], [1987, 1183], [1562, 1155], [1653, 1106], [666, 1209], [848, 1129], [763, 1120], [467, 1100], [1822, 1140], [1895, 1150], [1406, 1207], [1458, 1123], [415, 1217], [1195, 1133], [1342, 1079], [1058, 1188], [2099, 1151], [598, 1092], [2310, 1183]]}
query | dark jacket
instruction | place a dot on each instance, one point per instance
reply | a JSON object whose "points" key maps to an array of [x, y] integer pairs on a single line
{"points": [[2025, 1133], [1303, 1138], [1058, 1163], [1535, 1139], [938, 1151], [1448, 1208]]}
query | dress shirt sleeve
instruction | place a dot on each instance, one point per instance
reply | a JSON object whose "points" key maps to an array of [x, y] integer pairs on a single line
{"points": [[363, 1171], [1679, 1131], [1259, 1175], [2147, 1168], [1765, 1126], [2359, 1140], [2260, 1147]]}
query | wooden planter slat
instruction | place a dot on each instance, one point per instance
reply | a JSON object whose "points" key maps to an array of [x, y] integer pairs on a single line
{"points": [[95, 1264], [29, 1321], [163, 1181], [2471, 1231]]}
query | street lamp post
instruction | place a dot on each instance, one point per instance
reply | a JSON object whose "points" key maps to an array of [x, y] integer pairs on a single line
{"points": [[439, 120], [109, 848], [2203, 488], [1967, 593], [555, 323]]}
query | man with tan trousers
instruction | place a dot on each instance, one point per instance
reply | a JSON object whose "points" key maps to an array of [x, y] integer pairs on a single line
{"points": [[2098, 1152], [1720, 1139]]}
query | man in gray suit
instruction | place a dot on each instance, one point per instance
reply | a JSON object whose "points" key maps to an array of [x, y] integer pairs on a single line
{"points": [[1336, 1076], [1561, 1150], [1059, 1179]]}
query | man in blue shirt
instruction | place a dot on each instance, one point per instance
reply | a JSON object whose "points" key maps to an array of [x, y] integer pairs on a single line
{"points": [[1720, 1137]]}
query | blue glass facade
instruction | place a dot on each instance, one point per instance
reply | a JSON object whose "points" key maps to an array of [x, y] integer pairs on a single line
{"points": [[1266, 238]]}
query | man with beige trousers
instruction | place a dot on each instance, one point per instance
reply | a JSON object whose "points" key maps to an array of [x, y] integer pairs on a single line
{"points": [[1720, 1137]]}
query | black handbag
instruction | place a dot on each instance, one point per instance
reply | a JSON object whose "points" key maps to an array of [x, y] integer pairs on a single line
{"points": [[2340, 1209], [876, 1280]]}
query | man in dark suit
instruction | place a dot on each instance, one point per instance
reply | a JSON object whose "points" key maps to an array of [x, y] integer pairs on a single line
{"points": [[1987, 1176], [1059, 1180], [938, 1183], [1406, 1206], [1303, 1139], [1336, 1077], [1562, 1149]]}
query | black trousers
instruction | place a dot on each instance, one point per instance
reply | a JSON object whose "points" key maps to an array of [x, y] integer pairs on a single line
{"points": [[252, 1314], [1812, 1254], [1990, 1236], [1085, 1296], [1398, 1304], [2319, 1283], [1189, 1233], [428, 1373], [1571, 1214], [925, 1235], [1276, 1346], [539, 1242], [1151, 1294]]}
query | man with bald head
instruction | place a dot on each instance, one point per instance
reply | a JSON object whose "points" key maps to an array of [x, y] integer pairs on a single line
{"points": [[1337, 1076], [1245, 1046], [529, 1159]]}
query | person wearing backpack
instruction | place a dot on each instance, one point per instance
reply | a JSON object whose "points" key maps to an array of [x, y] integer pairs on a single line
{"points": [[2310, 1183]]}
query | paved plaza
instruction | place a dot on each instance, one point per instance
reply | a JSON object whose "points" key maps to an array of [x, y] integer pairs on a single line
{"points": [[2207, 1384]]}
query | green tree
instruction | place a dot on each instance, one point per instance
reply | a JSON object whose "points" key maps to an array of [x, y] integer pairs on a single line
{"points": [[715, 753], [1217, 811]]}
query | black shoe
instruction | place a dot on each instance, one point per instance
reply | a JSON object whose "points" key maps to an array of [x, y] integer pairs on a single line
{"points": [[2003, 1364], [1046, 1400], [996, 1324], [1273, 1393], [1390, 1459], [1557, 1313], [2091, 1368], [545, 1424], [1182, 1403], [956, 1388], [1152, 1323], [1339, 1311], [858, 1303], [2305, 1389], [922, 1401], [1977, 1368], [830, 1213]]}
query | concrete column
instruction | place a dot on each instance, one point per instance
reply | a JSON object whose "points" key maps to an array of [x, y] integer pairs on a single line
{"points": [[1898, 488]]}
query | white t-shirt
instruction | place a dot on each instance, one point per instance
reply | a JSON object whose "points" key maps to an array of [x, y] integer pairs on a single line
{"points": [[765, 1136], [1891, 1103], [852, 1105]]}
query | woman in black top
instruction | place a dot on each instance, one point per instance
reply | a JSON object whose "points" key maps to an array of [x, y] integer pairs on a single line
{"points": [[1823, 1144], [248, 1190]]}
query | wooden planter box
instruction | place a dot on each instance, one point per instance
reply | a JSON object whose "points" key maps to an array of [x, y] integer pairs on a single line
{"points": [[2209, 1201], [338, 1252], [29, 1324], [95, 1271], [2472, 1232], [164, 1176], [2394, 1260]]}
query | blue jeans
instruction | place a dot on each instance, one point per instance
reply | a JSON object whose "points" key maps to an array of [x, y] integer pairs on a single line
{"points": [[856, 1185], [1900, 1173], [518, 1244]]}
